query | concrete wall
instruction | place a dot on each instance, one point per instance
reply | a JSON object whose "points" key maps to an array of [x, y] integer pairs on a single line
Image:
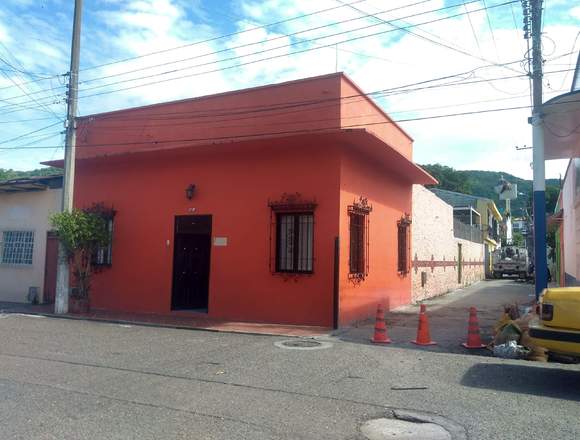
{"points": [[26, 211], [435, 249], [570, 229]]}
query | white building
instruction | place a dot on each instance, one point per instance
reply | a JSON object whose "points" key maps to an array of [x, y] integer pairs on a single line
{"points": [[28, 251]]}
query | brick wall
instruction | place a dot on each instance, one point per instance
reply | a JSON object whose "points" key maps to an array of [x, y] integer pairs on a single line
{"points": [[434, 250]]}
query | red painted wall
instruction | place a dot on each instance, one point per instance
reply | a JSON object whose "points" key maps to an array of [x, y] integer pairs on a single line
{"points": [[390, 197], [124, 161], [234, 185]]}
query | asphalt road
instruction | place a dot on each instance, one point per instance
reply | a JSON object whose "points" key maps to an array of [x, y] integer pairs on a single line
{"points": [[67, 379]]}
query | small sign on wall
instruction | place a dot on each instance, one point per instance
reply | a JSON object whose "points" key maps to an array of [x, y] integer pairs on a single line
{"points": [[220, 241]]}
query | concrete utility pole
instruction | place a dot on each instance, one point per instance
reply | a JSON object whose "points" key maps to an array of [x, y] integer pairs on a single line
{"points": [[62, 280], [540, 259]]}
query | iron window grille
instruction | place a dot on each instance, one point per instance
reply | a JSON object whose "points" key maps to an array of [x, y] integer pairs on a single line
{"points": [[358, 260], [103, 256], [17, 247], [292, 231], [403, 244], [294, 242]]}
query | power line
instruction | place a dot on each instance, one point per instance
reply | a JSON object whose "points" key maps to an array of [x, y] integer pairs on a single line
{"points": [[472, 28], [456, 49], [293, 34], [5, 141], [490, 28], [215, 38], [246, 55], [278, 133], [272, 57], [300, 104]]}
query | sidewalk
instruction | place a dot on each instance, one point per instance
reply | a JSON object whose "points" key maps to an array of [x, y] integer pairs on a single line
{"points": [[448, 317], [180, 320]]}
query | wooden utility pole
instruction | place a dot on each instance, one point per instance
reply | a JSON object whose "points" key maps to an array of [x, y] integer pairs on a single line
{"points": [[540, 258], [62, 280]]}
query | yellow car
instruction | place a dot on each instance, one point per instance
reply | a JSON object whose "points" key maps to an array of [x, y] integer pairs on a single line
{"points": [[558, 326]]}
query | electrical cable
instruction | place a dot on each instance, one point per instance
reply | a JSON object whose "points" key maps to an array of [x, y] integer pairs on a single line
{"points": [[279, 133], [267, 58]]}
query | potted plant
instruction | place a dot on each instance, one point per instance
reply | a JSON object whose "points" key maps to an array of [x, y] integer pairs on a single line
{"points": [[81, 233]]}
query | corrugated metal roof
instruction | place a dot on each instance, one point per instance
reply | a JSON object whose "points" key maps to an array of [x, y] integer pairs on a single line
{"points": [[36, 183], [456, 199]]}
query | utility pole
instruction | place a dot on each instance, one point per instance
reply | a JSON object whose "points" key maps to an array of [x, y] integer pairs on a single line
{"points": [[540, 259], [62, 280]]}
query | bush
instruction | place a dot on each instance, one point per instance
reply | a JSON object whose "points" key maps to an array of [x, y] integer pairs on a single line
{"points": [[81, 234]]}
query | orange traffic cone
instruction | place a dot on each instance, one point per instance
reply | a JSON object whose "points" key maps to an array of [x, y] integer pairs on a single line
{"points": [[423, 333], [473, 336], [380, 336]]}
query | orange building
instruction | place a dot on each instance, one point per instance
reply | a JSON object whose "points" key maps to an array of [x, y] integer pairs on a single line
{"points": [[288, 203]]}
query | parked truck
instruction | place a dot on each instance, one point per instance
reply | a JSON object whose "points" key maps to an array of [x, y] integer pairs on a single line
{"points": [[511, 260]]}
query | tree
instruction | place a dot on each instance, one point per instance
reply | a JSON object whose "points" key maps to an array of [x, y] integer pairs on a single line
{"points": [[449, 178], [81, 233], [518, 239]]}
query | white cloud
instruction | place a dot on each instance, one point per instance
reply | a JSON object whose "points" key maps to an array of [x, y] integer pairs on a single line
{"points": [[391, 59]]}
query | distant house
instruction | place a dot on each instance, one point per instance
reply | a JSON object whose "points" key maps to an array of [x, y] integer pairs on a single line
{"points": [[289, 203], [28, 250], [562, 141], [476, 212], [447, 254], [566, 221]]}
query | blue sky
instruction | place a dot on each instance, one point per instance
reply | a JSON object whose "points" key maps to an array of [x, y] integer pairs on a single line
{"points": [[35, 44]]}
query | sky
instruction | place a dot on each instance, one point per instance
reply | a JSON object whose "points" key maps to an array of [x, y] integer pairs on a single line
{"points": [[436, 57]]}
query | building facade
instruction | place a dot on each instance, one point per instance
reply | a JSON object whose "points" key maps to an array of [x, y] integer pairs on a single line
{"points": [[482, 209], [442, 262], [28, 250], [288, 203], [566, 221]]}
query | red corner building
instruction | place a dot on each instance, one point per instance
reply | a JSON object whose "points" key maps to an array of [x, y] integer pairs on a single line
{"points": [[288, 203]]}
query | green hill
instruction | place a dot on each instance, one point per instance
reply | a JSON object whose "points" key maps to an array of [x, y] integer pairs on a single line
{"points": [[482, 183], [7, 174]]}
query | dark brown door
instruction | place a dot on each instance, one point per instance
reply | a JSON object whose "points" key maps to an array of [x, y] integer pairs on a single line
{"points": [[459, 263], [191, 262], [50, 266]]}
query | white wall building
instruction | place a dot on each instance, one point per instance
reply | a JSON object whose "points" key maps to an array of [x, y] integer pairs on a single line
{"points": [[441, 261], [27, 250]]}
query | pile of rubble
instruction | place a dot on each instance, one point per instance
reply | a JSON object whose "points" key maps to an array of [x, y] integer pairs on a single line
{"points": [[512, 339]]}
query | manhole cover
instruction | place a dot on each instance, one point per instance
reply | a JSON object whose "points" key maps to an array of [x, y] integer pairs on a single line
{"points": [[381, 429], [302, 344]]}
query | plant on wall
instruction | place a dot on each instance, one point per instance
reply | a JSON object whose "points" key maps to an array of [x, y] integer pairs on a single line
{"points": [[81, 233]]}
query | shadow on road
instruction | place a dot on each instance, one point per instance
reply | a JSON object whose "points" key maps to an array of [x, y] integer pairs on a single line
{"points": [[524, 379]]}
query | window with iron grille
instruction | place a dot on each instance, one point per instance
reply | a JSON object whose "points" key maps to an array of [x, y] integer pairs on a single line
{"points": [[357, 257], [294, 242], [17, 247], [103, 256], [403, 244]]}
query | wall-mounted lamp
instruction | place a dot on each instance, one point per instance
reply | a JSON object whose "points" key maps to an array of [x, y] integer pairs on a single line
{"points": [[189, 191]]}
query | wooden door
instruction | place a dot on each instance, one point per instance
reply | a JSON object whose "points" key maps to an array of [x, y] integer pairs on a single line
{"points": [[191, 262], [50, 267], [459, 263]]}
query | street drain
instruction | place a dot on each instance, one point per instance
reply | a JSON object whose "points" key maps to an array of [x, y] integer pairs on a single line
{"points": [[302, 344]]}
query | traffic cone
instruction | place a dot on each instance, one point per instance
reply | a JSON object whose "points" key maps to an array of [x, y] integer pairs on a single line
{"points": [[423, 333], [380, 336], [473, 336]]}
